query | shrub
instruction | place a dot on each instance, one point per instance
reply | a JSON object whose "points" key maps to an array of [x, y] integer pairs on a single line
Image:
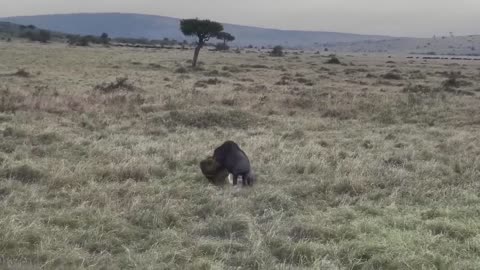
{"points": [[277, 51], [454, 82], [181, 70], [205, 83], [305, 81], [42, 36], [333, 60], [21, 72], [119, 84], [392, 76], [221, 47], [75, 40]]}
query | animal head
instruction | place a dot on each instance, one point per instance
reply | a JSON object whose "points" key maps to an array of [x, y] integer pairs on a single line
{"points": [[213, 171]]}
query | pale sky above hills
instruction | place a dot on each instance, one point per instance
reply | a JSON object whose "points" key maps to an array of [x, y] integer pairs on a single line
{"points": [[386, 17]]}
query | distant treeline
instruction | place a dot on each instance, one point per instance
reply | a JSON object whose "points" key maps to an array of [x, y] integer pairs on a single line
{"points": [[30, 32], [80, 40], [9, 31]]}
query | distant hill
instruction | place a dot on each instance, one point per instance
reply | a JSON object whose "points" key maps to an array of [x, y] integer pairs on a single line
{"points": [[158, 27]]}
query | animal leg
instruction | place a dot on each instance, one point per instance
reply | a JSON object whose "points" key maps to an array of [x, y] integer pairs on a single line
{"points": [[244, 180], [235, 178]]}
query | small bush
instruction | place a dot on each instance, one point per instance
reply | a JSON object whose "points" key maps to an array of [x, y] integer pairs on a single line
{"points": [[181, 70], [333, 60], [417, 75], [80, 41], [229, 101], [301, 102], [277, 51], [392, 75], [21, 72], [120, 84], [44, 36], [205, 83], [41, 36], [232, 69], [454, 81], [305, 81], [212, 73]]}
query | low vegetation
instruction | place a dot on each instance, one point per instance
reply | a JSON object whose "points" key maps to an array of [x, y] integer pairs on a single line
{"points": [[100, 154], [277, 51], [333, 59]]}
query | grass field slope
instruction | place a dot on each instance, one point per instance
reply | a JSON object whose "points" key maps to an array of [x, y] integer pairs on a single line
{"points": [[373, 163]]}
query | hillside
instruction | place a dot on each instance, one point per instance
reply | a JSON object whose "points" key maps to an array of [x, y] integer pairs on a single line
{"points": [[157, 27]]}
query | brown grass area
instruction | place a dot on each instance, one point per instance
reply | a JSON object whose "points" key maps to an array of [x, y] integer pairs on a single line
{"points": [[359, 165]]}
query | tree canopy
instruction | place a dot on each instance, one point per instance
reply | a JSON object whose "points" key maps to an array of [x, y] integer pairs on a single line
{"points": [[203, 29], [225, 36]]}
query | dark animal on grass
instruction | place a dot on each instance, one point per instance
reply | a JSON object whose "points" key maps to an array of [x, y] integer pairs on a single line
{"points": [[214, 172], [231, 157]]}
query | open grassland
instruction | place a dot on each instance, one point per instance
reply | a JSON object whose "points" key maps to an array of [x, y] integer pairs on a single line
{"points": [[370, 164]]}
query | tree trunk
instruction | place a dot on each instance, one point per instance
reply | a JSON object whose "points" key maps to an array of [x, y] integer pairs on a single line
{"points": [[195, 55]]}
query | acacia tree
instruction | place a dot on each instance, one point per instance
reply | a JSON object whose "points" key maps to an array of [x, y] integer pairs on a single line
{"points": [[226, 37], [203, 30]]}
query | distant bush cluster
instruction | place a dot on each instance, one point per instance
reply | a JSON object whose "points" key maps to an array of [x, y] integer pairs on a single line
{"points": [[41, 36], [144, 41], [78, 40], [9, 31]]}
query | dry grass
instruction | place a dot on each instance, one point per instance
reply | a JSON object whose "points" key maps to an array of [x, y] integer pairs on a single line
{"points": [[352, 173]]}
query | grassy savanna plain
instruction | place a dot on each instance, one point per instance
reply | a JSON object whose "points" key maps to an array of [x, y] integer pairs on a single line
{"points": [[370, 164]]}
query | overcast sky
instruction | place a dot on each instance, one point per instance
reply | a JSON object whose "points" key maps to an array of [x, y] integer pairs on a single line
{"points": [[387, 17]]}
